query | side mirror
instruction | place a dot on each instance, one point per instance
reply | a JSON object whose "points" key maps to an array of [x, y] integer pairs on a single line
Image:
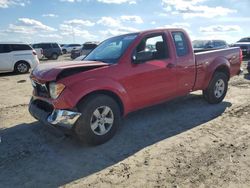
{"points": [[142, 57]]}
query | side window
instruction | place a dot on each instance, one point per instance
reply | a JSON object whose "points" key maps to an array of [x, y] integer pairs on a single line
{"points": [[4, 48], [89, 46], [45, 46], [219, 44], [210, 44], [156, 45], [181, 44], [20, 47], [36, 46], [55, 45]]}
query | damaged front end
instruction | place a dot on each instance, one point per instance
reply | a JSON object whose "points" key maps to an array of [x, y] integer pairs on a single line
{"points": [[45, 113]]}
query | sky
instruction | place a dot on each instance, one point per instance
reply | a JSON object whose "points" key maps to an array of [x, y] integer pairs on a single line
{"points": [[79, 21]]}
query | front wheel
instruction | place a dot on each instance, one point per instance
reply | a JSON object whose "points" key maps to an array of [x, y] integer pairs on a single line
{"points": [[99, 121], [22, 67], [217, 89]]}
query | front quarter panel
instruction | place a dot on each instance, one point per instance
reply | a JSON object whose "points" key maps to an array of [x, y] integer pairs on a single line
{"points": [[75, 92]]}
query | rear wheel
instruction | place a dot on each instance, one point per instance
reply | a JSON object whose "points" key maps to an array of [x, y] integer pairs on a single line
{"points": [[22, 67], [217, 88], [99, 120], [54, 56]]}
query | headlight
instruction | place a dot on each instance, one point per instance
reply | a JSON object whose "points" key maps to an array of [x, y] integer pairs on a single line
{"points": [[55, 89]]}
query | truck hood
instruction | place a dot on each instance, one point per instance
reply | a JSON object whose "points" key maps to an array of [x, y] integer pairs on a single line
{"points": [[57, 70]]}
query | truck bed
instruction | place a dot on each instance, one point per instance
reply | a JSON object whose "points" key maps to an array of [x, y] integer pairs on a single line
{"points": [[206, 61]]}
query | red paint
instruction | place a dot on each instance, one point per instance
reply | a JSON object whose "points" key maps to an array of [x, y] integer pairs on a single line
{"points": [[140, 85]]}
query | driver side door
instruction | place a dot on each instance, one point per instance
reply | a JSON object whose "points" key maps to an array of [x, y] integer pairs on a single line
{"points": [[152, 80]]}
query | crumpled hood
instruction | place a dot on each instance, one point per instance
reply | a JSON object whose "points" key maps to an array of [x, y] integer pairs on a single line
{"points": [[51, 71]]}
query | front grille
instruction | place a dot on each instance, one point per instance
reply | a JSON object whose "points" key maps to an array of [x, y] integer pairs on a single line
{"points": [[41, 90]]}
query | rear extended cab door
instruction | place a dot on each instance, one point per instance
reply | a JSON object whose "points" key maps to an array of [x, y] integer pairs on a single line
{"points": [[152, 81], [184, 66], [6, 58]]}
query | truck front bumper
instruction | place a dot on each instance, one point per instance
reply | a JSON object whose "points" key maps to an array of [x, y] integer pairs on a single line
{"points": [[49, 116]]}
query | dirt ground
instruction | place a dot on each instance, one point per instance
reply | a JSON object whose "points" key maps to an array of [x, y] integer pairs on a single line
{"points": [[183, 143]]}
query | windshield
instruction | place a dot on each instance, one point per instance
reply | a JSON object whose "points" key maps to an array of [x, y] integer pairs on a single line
{"points": [[201, 43], [111, 49]]}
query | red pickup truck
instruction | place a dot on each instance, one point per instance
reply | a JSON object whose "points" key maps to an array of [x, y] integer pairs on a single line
{"points": [[126, 73]]}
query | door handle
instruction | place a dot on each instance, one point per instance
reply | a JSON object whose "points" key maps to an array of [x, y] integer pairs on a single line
{"points": [[170, 65]]}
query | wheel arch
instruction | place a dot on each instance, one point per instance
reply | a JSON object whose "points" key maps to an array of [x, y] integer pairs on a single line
{"points": [[105, 92], [22, 61], [220, 64], [223, 69]]}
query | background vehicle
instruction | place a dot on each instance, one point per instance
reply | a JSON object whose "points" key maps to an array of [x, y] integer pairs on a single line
{"points": [[17, 57], [39, 52], [85, 50], [248, 67], [122, 75], [206, 45], [244, 44], [50, 50], [69, 47], [80, 58]]}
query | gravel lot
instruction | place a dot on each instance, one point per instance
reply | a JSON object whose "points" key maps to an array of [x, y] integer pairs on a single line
{"points": [[182, 143]]}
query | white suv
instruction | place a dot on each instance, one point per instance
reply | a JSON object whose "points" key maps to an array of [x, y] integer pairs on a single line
{"points": [[18, 57], [69, 47]]}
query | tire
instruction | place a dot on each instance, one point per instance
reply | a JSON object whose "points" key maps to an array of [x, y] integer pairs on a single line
{"points": [[217, 88], [54, 56], [21, 67], [93, 129]]}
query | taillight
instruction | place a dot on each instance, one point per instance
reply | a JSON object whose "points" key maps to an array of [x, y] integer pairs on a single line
{"points": [[34, 52]]}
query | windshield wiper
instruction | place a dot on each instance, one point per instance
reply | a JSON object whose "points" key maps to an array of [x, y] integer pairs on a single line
{"points": [[97, 60]]}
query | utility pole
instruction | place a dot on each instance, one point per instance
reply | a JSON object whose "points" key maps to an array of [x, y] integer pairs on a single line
{"points": [[73, 33]]}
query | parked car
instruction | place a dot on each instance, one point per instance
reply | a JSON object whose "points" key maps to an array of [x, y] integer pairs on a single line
{"points": [[248, 67], [39, 52], [85, 50], [18, 57], [50, 50], [207, 45], [80, 58], [244, 44], [121, 75], [69, 47]]}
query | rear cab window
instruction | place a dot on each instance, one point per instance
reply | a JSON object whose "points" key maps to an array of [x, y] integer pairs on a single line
{"points": [[181, 44]]}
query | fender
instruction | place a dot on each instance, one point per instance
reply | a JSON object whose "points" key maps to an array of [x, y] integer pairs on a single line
{"points": [[218, 63], [78, 90]]}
